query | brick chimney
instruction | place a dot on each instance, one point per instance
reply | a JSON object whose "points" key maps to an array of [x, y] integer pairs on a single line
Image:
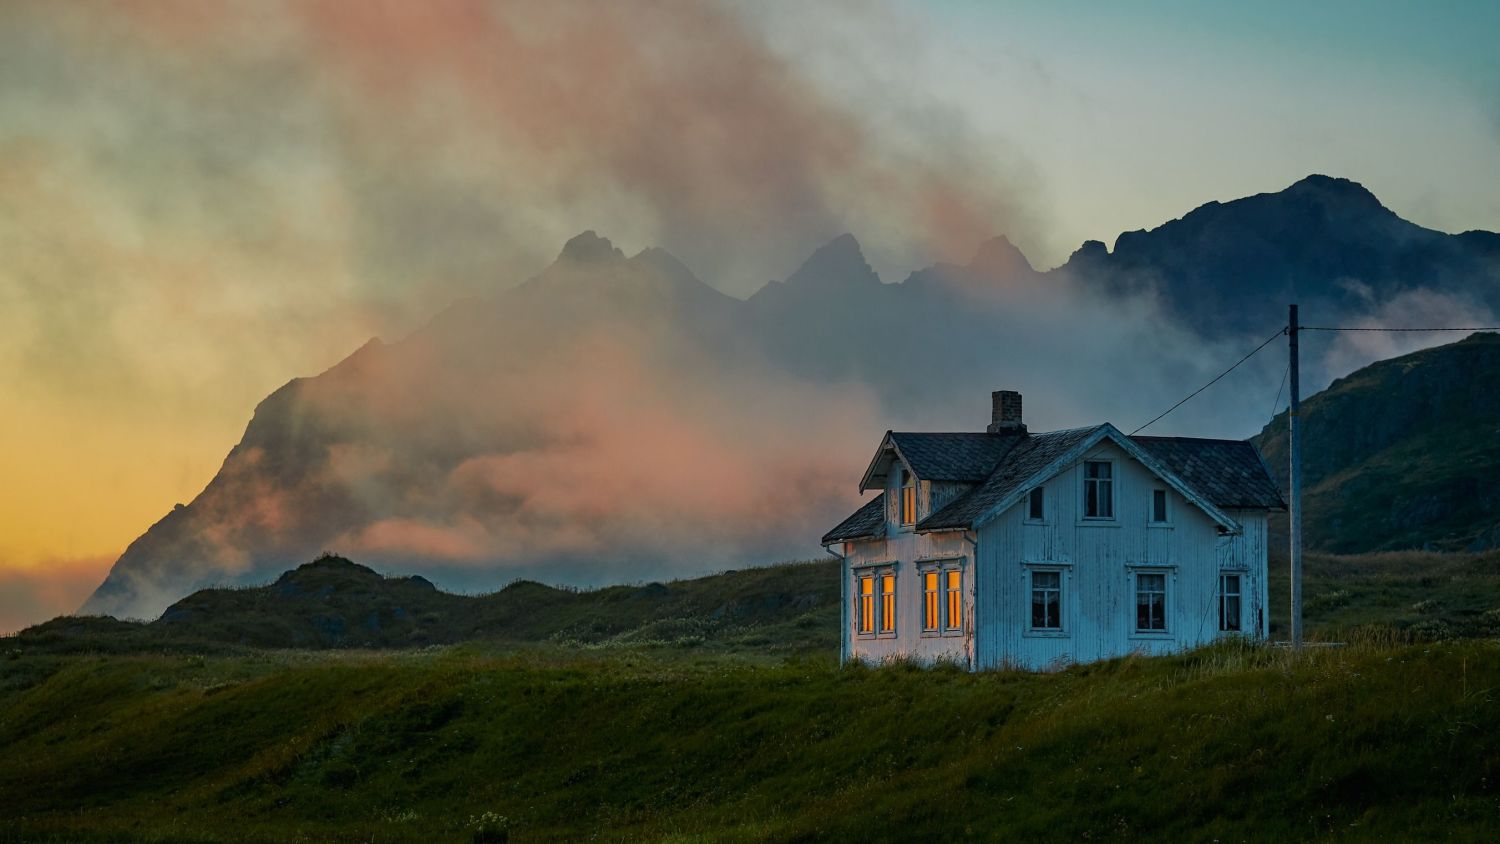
{"points": [[1005, 413]]}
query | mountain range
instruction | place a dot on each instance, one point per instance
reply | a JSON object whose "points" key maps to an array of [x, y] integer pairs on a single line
{"points": [[615, 418]]}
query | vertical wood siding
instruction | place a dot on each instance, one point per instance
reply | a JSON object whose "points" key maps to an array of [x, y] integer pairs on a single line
{"points": [[907, 552], [1097, 560]]}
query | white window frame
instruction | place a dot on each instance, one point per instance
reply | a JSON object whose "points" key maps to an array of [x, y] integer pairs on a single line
{"points": [[860, 577], [880, 614], [1064, 576], [1036, 520], [946, 625], [1169, 601], [923, 570], [874, 569], [1114, 492], [907, 480], [1239, 598], [1167, 507], [951, 626]]}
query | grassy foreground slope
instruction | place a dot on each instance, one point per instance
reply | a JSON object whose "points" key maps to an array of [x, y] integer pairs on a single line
{"points": [[1234, 743]]}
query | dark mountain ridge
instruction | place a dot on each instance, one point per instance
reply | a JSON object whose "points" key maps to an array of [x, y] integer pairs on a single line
{"points": [[615, 417], [1325, 242], [1402, 453]]}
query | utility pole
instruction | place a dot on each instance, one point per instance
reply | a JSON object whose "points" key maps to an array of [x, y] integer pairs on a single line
{"points": [[1295, 447]]}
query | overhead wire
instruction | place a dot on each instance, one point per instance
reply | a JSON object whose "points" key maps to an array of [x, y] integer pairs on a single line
{"points": [[1364, 328], [1277, 402], [1159, 417]]}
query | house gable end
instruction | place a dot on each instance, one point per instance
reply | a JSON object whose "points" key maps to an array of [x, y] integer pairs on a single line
{"points": [[876, 475], [1106, 432]]}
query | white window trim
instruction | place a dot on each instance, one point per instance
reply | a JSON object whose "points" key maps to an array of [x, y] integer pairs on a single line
{"points": [[1219, 598], [1169, 581], [1169, 522], [1064, 572], [880, 631], [924, 568], [1026, 503], [942, 565], [1112, 520], [860, 574], [905, 472], [948, 628]]}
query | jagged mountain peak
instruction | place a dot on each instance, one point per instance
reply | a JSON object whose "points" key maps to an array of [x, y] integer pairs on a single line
{"points": [[838, 263], [589, 248], [999, 257], [1331, 186]]}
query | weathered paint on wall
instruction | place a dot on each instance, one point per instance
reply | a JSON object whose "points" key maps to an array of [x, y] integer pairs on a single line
{"points": [[1098, 560], [907, 554]]}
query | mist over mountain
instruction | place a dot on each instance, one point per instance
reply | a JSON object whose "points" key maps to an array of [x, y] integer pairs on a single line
{"points": [[616, 418], [1325, 243]]}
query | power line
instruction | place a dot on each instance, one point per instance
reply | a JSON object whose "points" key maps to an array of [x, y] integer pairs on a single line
{"points": [[1341, 328], [1277, 402], [1279, 332]]}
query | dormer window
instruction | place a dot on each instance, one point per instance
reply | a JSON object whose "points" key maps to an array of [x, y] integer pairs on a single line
{"points": [[908, 498]]}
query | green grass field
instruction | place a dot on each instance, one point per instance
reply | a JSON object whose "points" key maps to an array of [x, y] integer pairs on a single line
{"points": [[1372, 741], [750, 732]]}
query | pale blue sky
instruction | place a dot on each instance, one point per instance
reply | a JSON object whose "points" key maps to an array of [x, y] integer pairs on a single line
{"points": [[1122, 116]]}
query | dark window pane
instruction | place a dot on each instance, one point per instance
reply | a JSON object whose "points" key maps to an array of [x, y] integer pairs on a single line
{"points": [[1158, 505], [1150, 602], [1036, 504]]}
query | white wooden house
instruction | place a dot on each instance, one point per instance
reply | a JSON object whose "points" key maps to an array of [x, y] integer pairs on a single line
{"points": [[1008, 548]]}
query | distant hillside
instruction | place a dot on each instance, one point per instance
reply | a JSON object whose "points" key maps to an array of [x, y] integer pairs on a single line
{"points": [[1404, 453], [335, 603], [618, 418]]}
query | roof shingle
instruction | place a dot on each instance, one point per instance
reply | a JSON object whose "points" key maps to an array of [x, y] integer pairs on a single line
{"points": [[1028, 457], [868, 522], [966, 458], [1229, 474]]}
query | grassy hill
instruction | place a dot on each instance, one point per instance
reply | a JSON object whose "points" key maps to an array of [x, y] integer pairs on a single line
{"points": [[712, 710], [792, 608], [468, 744], [1403, 453], [335, 603]]}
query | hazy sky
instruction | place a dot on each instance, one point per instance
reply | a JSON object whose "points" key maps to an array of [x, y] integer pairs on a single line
{"points": [[199, 201]]}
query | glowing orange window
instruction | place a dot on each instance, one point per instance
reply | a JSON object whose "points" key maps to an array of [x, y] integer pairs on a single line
{"points": [[930, 602], [888, 603], [953, 590], [867, 605], [908, 498]]}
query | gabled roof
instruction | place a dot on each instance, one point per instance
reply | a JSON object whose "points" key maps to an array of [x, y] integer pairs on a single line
{"points": [[959, 457], [1230, 473], [1034, 453], [868, 522], [1216, 475]]}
